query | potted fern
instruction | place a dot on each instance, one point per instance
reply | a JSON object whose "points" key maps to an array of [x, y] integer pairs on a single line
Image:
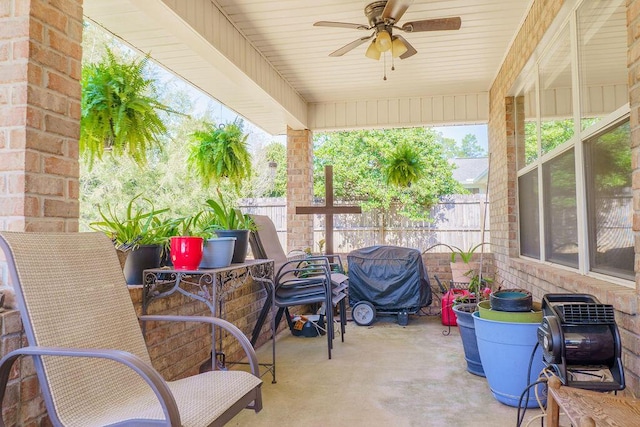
{"points": [[119, 110], [220, 152]]}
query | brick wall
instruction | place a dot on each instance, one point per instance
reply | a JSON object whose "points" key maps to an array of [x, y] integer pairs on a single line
{"points": [[299, 187], [40, 51], [177, 349], [540, 278]]}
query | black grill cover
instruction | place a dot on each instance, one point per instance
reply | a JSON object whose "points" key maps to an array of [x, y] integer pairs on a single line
{"points": [[389, 277]]}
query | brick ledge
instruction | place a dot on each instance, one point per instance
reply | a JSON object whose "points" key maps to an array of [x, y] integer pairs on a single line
{"points": [[622, 298]]}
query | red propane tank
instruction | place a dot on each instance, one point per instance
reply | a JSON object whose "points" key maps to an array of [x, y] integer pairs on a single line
{"points": [[448, 316]]}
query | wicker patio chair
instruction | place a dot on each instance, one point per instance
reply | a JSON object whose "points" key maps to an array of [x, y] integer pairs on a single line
{"points": [[89, 352]]}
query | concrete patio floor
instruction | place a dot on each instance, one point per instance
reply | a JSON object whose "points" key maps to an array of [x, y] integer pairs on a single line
{"points": [[382, 375]]}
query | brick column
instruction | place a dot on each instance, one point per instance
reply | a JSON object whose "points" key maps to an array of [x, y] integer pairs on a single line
{"points": [[633, 59], [40, 57], [299, 188]]}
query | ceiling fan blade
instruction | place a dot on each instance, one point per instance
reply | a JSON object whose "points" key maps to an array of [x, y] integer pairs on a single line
{"points": [[341, 25], [394, 9], [346, 48], [410, 49], [433, 25]]}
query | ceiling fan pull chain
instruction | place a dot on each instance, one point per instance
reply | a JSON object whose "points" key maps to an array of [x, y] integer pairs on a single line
{"points": [[385, 66]]}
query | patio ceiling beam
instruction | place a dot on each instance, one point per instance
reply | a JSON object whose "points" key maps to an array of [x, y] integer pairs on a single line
{"points": [[196, 41]]}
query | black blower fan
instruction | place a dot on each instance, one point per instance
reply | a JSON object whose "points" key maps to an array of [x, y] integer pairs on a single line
{"points": [[580, 342]]}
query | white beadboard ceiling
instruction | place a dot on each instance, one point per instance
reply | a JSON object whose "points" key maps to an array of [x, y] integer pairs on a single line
{"points": [[266, 60]]}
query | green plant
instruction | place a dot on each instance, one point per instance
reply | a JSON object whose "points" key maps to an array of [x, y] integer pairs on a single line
{"points": [[138, 226], [219, 216], [218, 152], [465, 255], [119, 111], [405, 166]]}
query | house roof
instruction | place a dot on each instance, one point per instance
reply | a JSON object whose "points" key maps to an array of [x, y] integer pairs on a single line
{"points": [[470, 170]]}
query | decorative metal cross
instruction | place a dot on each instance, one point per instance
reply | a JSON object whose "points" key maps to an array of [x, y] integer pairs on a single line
{"points": [[329, 210]]}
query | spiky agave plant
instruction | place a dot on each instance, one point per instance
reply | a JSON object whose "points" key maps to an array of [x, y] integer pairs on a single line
{"points": [[119, 111], [404, 166], [218, 152]]}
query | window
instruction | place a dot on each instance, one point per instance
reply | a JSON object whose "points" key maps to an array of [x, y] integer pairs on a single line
{"points": [[561, 232], [610, 201], [527, 143], [570, 160], [601, 30], [556, 112]]}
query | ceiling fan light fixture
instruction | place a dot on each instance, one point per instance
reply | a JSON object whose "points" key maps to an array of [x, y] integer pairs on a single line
{"points": [[372, 51], [383, 41], [398, 47]]}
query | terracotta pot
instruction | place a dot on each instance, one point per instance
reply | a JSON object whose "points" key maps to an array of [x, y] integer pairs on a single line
{"points": [[186, 252]]}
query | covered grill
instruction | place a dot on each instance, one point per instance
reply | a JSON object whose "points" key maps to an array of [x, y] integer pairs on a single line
{"points": [[387, 280]]}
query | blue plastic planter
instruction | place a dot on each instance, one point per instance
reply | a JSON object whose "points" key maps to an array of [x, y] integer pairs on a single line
{"points": [[468, 336], [505, 350]]}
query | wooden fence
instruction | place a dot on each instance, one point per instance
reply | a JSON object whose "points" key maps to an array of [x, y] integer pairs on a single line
{"points": [[456, 220]]}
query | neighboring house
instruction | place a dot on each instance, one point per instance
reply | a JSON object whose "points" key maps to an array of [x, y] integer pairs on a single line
{"points": [[472, 173]]}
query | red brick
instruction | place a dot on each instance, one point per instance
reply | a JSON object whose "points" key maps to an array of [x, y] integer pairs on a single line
{"points": [[30, 388], [64, 44], [46, 225], [12, 29], [5, 50], [61, 166], [12, 161], [45, 142], [13, 72], [62, 126], [44, 185], [61, 208], [50, 15], [63, 84]]}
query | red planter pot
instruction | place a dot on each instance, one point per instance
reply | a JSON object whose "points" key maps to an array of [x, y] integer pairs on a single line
{"points": [[186, 252]]}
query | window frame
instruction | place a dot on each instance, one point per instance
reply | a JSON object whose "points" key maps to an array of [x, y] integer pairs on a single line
{"points": [[531, 75]]}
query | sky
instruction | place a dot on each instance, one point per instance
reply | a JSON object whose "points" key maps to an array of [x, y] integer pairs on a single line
{"points": [[458, 132]]}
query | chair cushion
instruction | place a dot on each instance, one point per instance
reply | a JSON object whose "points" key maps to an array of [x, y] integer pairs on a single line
{"points": [[194, 397]]}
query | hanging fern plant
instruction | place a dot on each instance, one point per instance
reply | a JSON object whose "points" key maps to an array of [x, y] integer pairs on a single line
{"points": [[404, 166], [119, 110], [220, 152]]}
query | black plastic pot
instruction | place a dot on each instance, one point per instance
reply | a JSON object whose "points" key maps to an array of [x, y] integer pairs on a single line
{"points": [[242, 243], [511, 300], [140, 259]]}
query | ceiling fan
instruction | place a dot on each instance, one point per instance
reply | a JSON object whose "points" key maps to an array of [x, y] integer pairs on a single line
{"points": [[383, 18]]}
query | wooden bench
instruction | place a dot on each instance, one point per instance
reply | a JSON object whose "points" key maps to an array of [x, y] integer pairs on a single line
{"points": [[586, 408]]}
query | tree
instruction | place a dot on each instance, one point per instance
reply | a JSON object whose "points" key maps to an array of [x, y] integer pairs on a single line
{"points": [[359, 159], [469, 147]]}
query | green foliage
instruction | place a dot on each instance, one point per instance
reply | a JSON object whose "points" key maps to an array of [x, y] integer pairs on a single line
{"points": [[218, 152], [277, 153], [470, 148], [405, 166], [220, 216], [119, 110], [358, 159], [138, 226], [465, 255]]}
